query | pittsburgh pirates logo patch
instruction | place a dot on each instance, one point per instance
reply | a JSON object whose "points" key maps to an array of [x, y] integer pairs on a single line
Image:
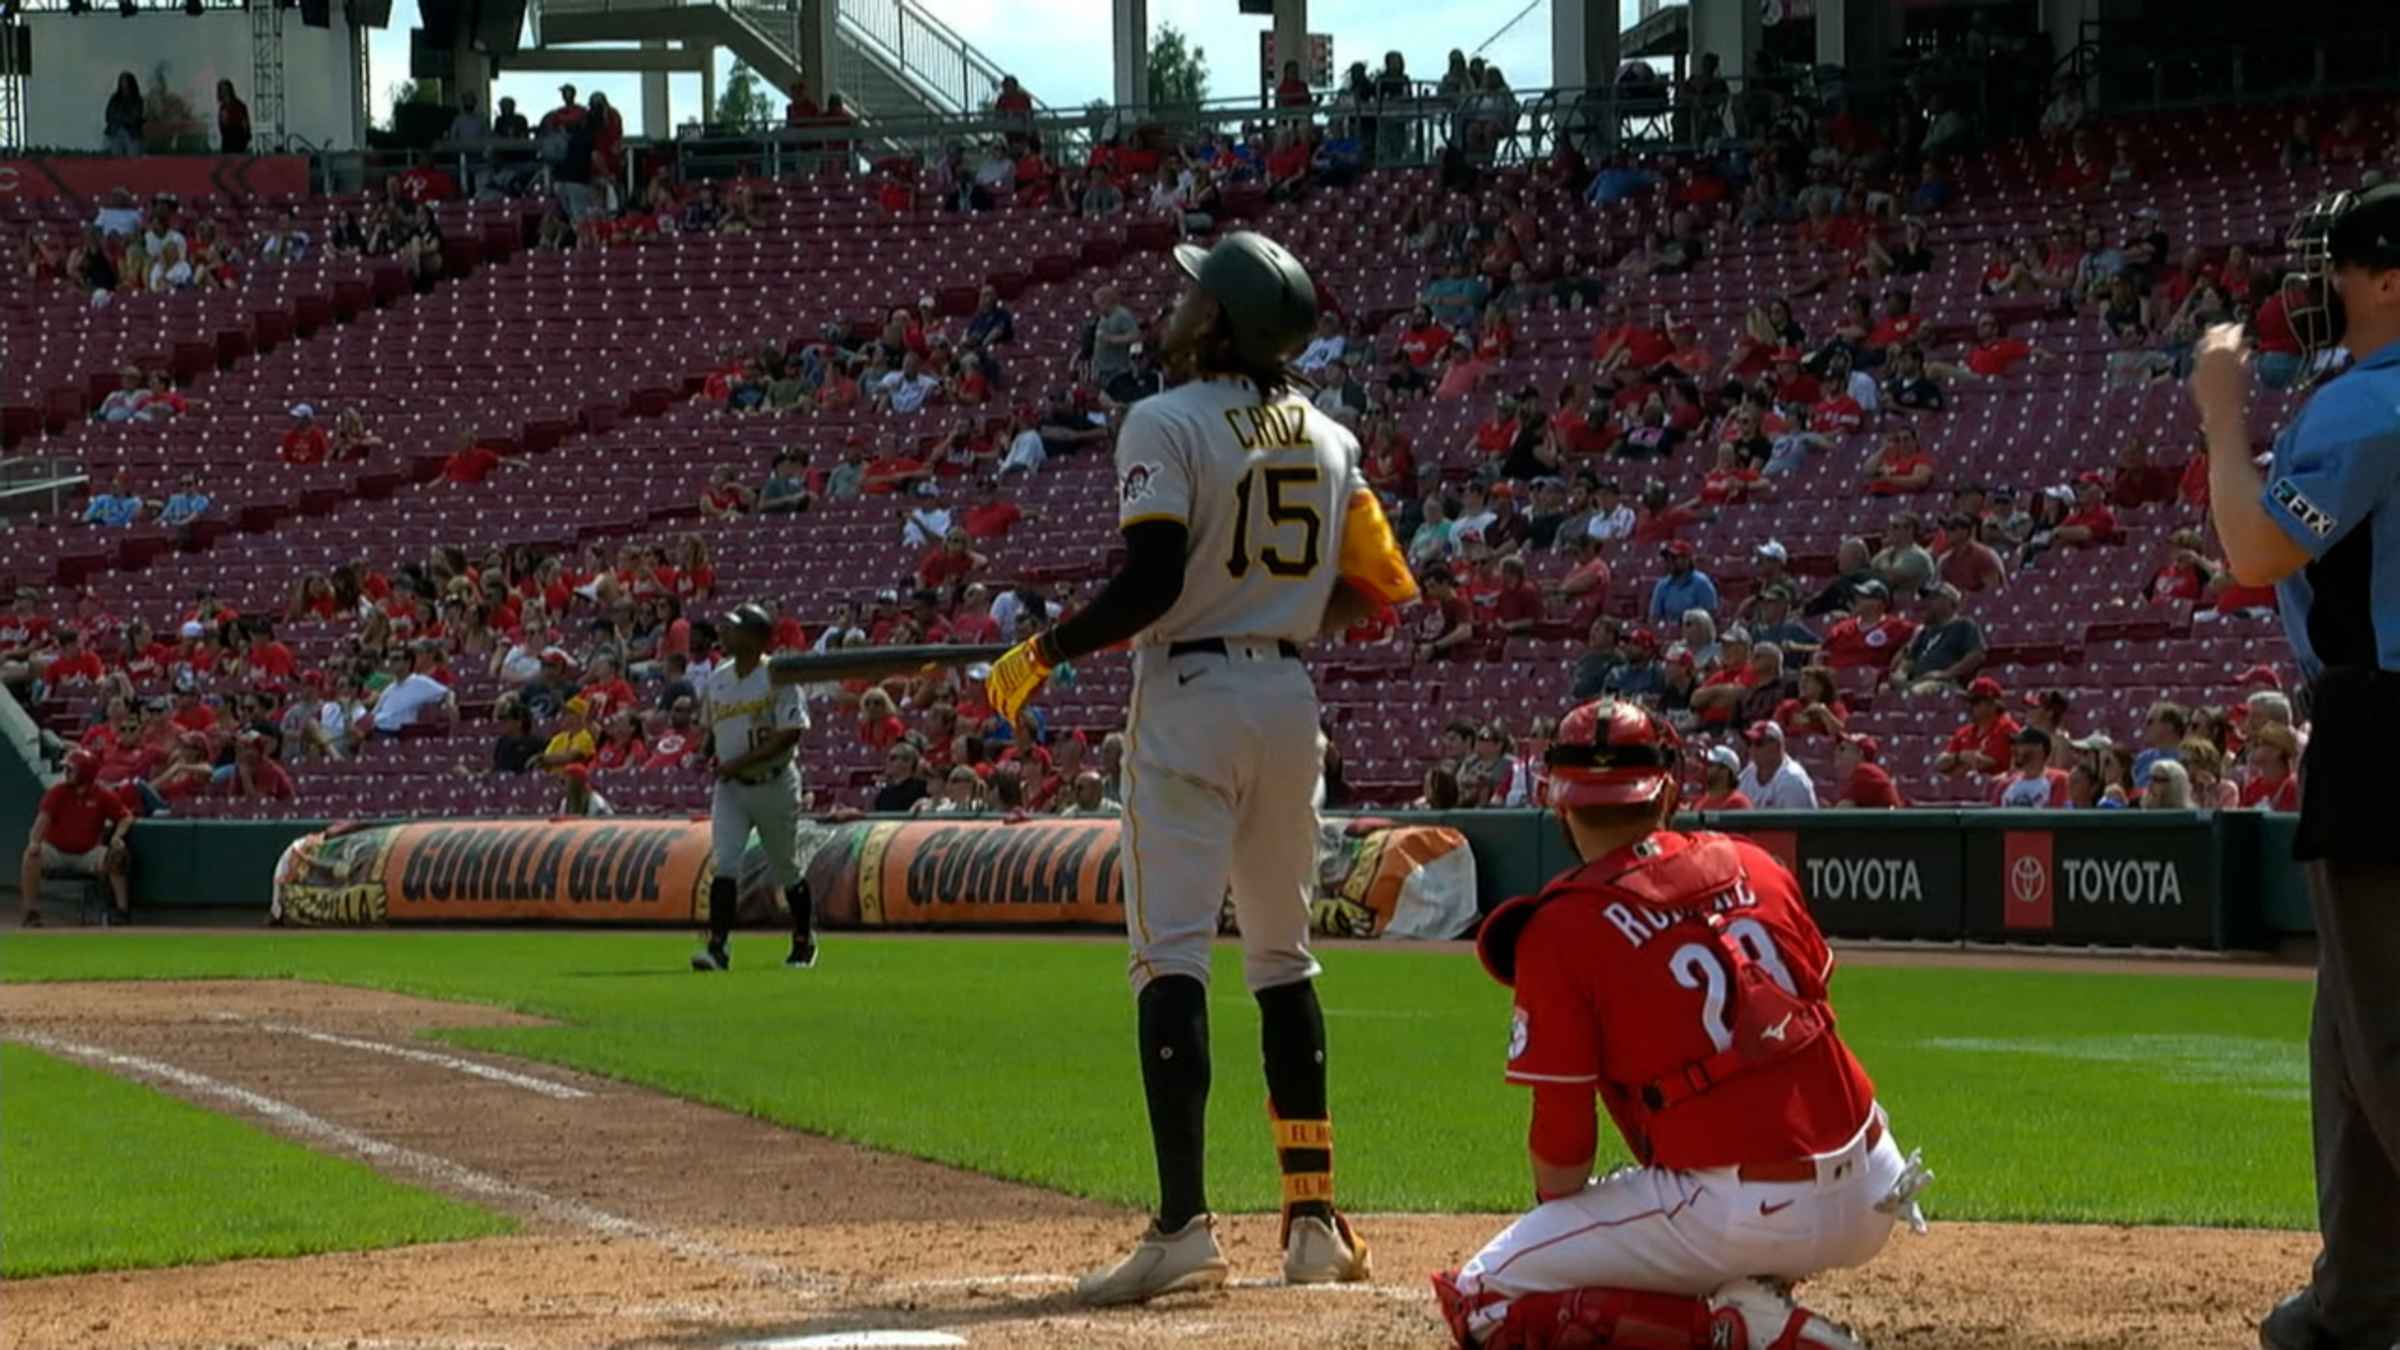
{"points": [[2316, 519], [1136, 487]]}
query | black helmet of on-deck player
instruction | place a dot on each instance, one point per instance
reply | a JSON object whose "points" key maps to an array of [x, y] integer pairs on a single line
{"points": [[1269, 301]]}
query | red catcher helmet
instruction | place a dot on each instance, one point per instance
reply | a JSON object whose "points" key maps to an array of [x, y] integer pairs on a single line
{"points": [[1611, 753], [82, 766]]}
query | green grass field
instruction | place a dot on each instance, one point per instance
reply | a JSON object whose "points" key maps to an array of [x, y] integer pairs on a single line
{"points": [[2073, 1097], [103, 1174]]}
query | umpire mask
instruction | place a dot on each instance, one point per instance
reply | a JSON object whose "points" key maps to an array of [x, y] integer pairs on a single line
{"points": [[2335, 231]]}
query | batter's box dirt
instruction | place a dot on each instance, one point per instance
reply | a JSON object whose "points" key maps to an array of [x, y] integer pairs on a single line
{"points": [[671, 1224]]}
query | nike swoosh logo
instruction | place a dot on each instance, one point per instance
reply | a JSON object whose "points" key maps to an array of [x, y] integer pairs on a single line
{"points": [[1775, 1209], [1187, 677]]}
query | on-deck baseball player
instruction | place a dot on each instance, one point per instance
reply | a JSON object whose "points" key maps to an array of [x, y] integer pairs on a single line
{"points": [[1248, 531], [753, 725], [1679, 979]]}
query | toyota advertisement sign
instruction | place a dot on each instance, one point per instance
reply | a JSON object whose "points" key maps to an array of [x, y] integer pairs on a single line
{"points": [[2143, 880], [2131, 878], [1866, 875]]}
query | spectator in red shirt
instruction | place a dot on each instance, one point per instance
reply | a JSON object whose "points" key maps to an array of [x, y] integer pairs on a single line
{"points": [[621, 744], [725, 497], [1993, 353], [473, 462], [1423, 341], [605, 693], [2091, 522], [1720, 774], [1660, 519], [1793, 386], [79, 829], [255, 773], [2277, 357], [1447, 620], [306, 443], [1872, 635], [1518, 606], [2030, 780], [1982, 745], [191, 713], [2183, 575], [1864, 782], [76, 665], [1898, 326], [1731, 481], [1817, 710], [2272, 753], [950, 561], [1900, 464]]}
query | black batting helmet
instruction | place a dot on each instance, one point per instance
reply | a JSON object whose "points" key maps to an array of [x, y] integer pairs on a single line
{"points": [[1269, 301], [2337, 230]]}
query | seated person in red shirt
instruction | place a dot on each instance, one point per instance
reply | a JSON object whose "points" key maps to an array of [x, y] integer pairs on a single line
{"points": [[1730, 480], [1900, 464], [255, 773], [2183, 575], [1636, 346], [895, 470], [2091, 522], [989, 515], [78, 829], [1447, 620], [1993, 353], [2277, 359], [1864, 782], [948, 562], [76, 664], [306, 443], [2272, 753], [473, 462], [1982, 744], [725, 497], [1897, 326], [1423, 341], [1518, 605], [1794, 387], [1872, 635], [1498, 432], [1817, 710]]}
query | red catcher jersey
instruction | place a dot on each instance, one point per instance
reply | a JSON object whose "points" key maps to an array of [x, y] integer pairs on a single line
{"points": [[1620, 994]]}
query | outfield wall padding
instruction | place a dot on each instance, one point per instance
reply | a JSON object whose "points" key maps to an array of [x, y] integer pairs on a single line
{"points": [[2221, 880], [1375, 877]]}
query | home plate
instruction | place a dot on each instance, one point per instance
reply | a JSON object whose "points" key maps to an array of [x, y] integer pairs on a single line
{"points": [[855, 1341]]}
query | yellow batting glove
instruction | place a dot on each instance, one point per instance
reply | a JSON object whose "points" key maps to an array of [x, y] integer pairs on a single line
{"points": [[1016, 677]]}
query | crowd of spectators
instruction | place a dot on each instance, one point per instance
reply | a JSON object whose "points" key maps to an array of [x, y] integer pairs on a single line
{"points": [[1580, 469]]}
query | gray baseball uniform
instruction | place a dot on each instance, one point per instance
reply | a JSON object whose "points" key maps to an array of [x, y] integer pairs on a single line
{"points": [[740, 710], [1223, 754]]}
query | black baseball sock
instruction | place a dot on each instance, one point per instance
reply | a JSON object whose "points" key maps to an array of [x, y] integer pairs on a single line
{"points": [[804, 911], [721, 901], [1291, 1036], [1173, 1013]]}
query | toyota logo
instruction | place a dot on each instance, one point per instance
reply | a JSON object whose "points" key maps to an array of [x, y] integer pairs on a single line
{"points": [[2027, 880]]}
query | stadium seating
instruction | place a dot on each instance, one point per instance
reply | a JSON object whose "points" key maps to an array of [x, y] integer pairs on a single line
{"points": [[588, 363]]}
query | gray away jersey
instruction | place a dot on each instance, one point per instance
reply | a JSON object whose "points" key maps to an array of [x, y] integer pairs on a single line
{"points": [[1262, 488]]}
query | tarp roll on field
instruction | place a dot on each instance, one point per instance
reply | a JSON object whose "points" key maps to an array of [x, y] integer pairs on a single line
{"points": [[1374, 877]]}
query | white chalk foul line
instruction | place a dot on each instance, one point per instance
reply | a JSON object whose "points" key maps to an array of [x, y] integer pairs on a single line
{"points": [[1043, 1278], [527, 1081], [454, 1175]]}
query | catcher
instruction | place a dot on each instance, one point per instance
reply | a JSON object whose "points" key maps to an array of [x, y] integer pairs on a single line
{"points": [[1679, 979], [1248, 531]]}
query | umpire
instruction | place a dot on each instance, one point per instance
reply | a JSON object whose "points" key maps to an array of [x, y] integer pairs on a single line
{"points": [[2324, 528]]}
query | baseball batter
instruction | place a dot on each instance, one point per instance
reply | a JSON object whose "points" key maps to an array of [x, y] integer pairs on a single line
{"points": [[1248, 531], [1678, 980], [753, 725]]}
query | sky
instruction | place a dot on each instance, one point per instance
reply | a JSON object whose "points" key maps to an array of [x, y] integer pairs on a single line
{"points": [[1059, 49]]}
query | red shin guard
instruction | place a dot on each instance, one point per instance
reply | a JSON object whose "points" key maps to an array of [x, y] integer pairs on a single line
{"points": [[1579, 1319]]}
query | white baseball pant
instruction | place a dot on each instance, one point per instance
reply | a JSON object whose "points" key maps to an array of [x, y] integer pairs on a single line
{"points": [[772, 808]]}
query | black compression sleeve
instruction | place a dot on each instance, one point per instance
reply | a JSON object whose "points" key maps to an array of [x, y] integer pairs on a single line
{"points": [[1135, 598]]}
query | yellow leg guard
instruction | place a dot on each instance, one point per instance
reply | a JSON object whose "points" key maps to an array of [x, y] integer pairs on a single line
{"points": [[1301, 1188]]}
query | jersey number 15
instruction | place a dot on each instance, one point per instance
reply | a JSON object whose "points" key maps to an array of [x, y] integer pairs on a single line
{"points": [[1280, 514]]}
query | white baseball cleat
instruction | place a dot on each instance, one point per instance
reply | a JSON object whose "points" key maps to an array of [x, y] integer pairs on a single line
{"points": [[712, 957], [1163, 1263], [1322, 1252], [1756, 1315]]}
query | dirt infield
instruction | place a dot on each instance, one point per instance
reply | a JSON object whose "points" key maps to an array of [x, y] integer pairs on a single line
{"points": [[653, 1221]]}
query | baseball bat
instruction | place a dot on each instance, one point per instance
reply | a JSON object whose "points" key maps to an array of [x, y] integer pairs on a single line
{"points": [[875, 663]]}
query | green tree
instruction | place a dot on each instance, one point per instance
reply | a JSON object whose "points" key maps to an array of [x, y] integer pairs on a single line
{"points": [[406, 91], [1178, 71], [745, 103]]}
